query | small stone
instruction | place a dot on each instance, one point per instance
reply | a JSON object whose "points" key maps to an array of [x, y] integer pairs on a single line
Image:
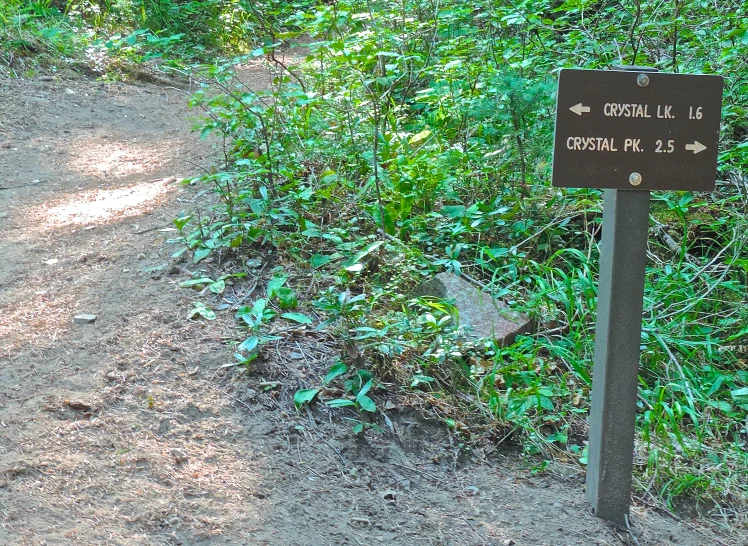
{"points": [[52, 261], [193, 371], [141, 256], [390, 495], [6, 145], [482, 315], [84, 319], [179, 456], [77, 405], [508, 542], [557, 505], [472, 490], [251, 394], [111, 376], [296, 356]]}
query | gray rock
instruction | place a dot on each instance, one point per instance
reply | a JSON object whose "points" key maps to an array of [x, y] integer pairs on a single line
{"points": [[480, 314], [179, 456], [84, 319]]}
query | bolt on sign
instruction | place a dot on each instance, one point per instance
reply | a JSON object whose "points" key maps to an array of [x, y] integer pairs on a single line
{"points": [[636, 130]]}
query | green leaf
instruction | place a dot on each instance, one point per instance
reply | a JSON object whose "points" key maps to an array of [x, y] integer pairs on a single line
{"points": [[275, 283], [218, 287], [741, 395], [304, 396], [340, 403], [366, 387], [301, 318], [200, 254], [361, 254], [286, 297], [181, 222], [418, 379], [249, 344], [179, 252], [318, 260], [337, 369], [559, 437], [202, 311], [366, 403], [202, 281], [358, 428], [418, 137], [454, 211]]}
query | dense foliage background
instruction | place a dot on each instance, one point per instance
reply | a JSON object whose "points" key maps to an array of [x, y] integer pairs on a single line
{"points": [[404, 137]]}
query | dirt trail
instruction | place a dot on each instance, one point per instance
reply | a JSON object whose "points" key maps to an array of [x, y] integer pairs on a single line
{"points": [[122, 431]]}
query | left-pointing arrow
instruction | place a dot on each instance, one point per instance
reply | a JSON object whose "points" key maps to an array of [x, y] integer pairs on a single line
{"points": [[578, 109]]}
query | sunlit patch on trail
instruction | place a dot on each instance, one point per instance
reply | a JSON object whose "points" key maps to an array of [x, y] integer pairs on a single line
{"points": [[117, 159], [94, 206]]}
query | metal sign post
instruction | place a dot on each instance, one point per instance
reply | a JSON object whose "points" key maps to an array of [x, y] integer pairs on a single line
{"points": [[620, 296], [629, 131]]}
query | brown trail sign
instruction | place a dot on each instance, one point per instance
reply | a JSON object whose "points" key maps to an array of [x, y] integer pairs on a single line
{"points": [[643, 130], [629, 131]]}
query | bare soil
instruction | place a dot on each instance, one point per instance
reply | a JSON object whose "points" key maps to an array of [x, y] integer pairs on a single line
{"points": [[127, 431]]}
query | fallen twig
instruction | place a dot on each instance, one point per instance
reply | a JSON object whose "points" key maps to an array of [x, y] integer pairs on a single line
{"points": [[34, 183], [672, 244]]}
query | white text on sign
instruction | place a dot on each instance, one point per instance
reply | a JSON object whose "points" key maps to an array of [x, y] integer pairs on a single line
{"points": [[612, 109], [602, 144]]}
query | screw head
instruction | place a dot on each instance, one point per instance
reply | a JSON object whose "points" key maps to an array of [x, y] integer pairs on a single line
{"points": [[635, 179], [642, 80]]}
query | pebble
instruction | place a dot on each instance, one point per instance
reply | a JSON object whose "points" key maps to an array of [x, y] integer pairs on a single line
{"points": [[472, 490], [111, 376], [179, 456], [84, 319]]}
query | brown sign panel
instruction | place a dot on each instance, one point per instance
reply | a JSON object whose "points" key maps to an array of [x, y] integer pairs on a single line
{"points": [[636, 130]]}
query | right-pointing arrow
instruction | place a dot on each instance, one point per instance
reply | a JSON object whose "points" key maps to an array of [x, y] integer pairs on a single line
{"points": [[696, 147], [578, 109]]}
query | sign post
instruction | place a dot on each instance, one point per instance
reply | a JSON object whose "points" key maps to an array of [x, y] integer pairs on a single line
{"points": [[628, 131]]}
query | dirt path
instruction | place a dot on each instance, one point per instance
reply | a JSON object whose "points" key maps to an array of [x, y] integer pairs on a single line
{"points": [[122, 431]]}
